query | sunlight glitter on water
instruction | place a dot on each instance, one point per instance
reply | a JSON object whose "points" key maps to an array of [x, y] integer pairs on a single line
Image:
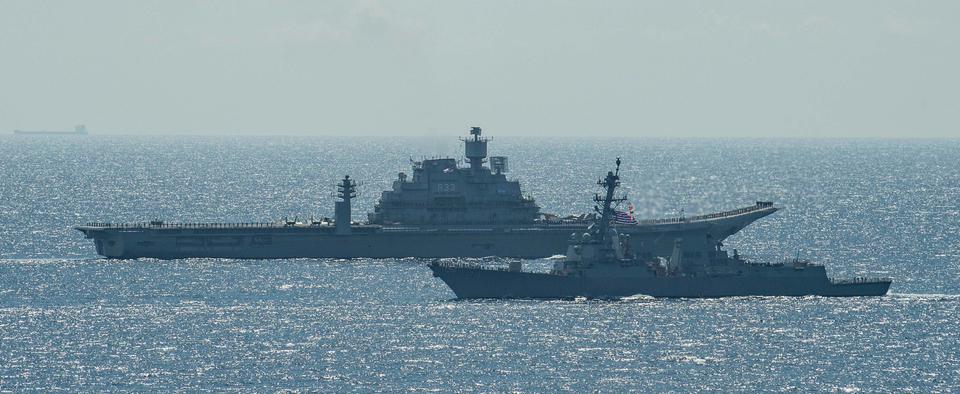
{"points": [[72, 321]]}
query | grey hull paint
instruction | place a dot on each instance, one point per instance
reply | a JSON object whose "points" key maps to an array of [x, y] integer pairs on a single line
{"points": [[487, 283], [442, 210], [528, 241]]}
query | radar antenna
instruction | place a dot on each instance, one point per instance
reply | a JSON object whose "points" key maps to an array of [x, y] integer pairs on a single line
{"points": [[346, 190], [475, 149], [610, 184]]}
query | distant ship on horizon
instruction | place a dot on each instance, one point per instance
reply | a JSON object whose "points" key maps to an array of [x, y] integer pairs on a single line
{"points": [[77, 130]]}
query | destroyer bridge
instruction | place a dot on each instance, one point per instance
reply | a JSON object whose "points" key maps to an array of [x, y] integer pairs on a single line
{"points": [[442, 209]]}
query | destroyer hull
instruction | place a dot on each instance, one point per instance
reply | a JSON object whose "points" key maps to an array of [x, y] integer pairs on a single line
{"points": [[469, 283]]}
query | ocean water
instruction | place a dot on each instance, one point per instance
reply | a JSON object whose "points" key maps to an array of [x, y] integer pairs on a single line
{"points": [[72, 321]]}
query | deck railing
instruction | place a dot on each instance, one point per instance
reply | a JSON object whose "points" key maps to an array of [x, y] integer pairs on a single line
{"points": [[462, 265], [760, 205], [859, 280], [148, 225]]}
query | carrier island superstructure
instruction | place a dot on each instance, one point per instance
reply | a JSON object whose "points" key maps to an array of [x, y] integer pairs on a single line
{"points": [[441, 210]]}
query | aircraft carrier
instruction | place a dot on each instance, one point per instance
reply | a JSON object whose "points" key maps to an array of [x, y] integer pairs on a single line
{"points": [[441, 210], [602, 263]]}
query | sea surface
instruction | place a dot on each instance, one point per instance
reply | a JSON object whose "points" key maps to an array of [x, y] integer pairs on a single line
{"points": [[70, 321]]}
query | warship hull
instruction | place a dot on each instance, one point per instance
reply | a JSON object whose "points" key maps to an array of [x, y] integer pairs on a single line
{"points": [[475, 282], [21, 132], [442, 210], [272, 241], [77, 130], [282, 244]]}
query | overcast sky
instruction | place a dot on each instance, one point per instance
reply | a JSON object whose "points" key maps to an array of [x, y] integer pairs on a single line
{"points": [[618, 68]]}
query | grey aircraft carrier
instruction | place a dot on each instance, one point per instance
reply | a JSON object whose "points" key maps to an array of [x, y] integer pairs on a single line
{"points": [[441, 210]]}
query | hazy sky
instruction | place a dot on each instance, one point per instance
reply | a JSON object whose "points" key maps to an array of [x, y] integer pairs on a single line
{"points": [[620, 68]]}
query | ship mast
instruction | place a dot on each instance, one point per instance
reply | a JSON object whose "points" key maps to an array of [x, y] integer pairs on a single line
{"points": [[346, 190], [610, 184], [475, 149]]}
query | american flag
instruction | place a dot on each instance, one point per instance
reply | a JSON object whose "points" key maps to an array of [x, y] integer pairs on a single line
{"points": [[620, 217]]}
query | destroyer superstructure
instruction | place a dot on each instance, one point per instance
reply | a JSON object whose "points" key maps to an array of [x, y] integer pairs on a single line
{"points": [[443, 210], [602, 263]]}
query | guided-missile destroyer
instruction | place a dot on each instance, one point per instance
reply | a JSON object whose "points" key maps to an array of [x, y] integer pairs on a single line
{"points": [[602, 263], [441, 210]]}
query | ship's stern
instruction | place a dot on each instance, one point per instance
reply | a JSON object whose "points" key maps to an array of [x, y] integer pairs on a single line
{"points": [[472, 281]]}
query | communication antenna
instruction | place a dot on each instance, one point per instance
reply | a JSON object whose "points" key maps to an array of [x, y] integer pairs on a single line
{"points": [[609, 183], [475, 148], [499, 164], [347, 191], [347, 188]]}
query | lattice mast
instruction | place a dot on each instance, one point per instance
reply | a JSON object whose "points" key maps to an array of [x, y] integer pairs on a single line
{"points": [[609, 184], [346, 191]]}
